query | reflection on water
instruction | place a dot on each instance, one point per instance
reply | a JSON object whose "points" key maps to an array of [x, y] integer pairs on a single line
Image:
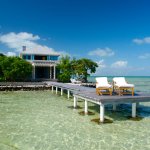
{"points": [[40, 120]]}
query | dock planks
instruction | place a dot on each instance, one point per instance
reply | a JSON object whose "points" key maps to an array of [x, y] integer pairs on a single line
{"points": [[88, 94]]}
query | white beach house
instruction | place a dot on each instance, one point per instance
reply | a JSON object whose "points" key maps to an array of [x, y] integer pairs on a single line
{"points": [[43, 61]]}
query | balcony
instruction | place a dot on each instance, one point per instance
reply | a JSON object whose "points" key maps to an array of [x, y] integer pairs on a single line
{"points": [[43, 63]]}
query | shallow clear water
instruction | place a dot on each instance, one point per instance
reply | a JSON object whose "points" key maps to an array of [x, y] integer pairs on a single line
{"points": [[40, 120]]}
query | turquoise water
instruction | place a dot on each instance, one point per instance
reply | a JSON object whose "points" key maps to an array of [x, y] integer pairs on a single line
{"points": [[40, 120], [142, 83]]}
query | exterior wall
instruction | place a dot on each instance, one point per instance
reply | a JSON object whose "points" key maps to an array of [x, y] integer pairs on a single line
{"points": [[43, 65]]}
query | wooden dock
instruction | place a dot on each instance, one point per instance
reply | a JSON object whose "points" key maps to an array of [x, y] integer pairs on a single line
{"points": [[15, 86], [88, 94]]}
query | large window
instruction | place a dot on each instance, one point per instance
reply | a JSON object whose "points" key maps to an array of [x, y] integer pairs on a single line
{"points": [[53, 57], [26, 57], [36, 57]]}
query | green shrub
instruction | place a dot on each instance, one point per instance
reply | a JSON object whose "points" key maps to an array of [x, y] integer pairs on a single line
{"points": [[64, 77], [14, 69]]}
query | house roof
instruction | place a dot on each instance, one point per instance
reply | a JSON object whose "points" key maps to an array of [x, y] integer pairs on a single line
{"points": [[40, 51]]}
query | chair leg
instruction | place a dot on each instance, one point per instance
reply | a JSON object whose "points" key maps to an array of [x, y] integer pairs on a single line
{"points": [[119, 91], [110, 91], [98, 91], [132, 91]]}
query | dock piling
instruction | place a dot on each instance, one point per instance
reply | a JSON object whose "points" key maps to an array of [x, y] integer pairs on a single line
{"points": [[133, 110], [52, 88], [86, 107], [61, 91], [102, 112], [68, 94], [56, 89], [75, 102], [114, 107]]}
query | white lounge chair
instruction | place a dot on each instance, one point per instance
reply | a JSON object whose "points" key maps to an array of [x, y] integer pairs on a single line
{"points": [[74, 81], [102, 86], [122, 87]]}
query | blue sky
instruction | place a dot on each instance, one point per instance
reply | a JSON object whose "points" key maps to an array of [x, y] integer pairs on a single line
{"points": [[114, 33]]}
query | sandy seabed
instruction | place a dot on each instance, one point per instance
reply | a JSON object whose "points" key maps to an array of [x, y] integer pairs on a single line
{"points": [[40, 120]]}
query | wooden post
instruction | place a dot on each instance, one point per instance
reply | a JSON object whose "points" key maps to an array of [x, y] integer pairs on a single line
{"points": [[56, 89], [86, 107], [102, 112], [75, 102], [132, 91], [133, 110], [114, 107], [68, 94], [61, 91]]}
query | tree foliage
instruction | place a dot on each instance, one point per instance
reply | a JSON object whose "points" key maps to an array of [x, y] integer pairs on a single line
{"points": [[85, 66], [81, 67], [64, 67], [1, 54], [1, 72], [14, 69]]}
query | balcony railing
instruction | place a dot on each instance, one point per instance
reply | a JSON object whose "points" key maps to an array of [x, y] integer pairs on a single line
{"points": [[43, 62]]}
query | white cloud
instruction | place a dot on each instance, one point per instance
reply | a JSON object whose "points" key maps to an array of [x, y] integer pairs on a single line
{"points": [[11, 54], [15, 41], [145, 40], [145, 56], [101, 52], [119, 64]]}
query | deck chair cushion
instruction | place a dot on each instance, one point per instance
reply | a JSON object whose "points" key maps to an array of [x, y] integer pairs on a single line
{"points": [[102, 82], [121, 82]]}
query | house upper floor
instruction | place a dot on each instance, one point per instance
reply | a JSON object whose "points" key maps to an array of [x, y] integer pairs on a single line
{"points": [[33, 57], [39, 55]]}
